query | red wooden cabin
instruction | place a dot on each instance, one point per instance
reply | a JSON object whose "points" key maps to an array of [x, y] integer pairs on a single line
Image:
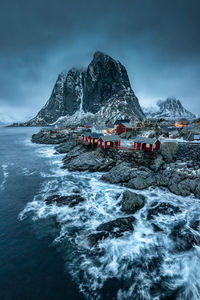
{"points": [[106, 142], [86, 138], [90, 138], [94, 136], [123, 127], [148, 144]]}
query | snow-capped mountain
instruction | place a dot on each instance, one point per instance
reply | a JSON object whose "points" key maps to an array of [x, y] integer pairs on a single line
{"points": [[101, 92], [169, 109]]}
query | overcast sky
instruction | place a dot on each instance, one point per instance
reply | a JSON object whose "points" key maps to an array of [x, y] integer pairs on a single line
{"points": [[158, 41]]}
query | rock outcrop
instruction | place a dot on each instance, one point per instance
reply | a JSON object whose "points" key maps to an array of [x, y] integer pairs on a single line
{"points": [[132, 202], [114, 228], [71, 200], [46, 137], [175, 167]]}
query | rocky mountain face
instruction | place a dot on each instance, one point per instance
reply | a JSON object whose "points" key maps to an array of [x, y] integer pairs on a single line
{"points": [[102, 92], [170, 109]]}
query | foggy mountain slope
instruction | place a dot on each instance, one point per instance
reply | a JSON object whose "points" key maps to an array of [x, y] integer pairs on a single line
{"points": [[171, 108]]}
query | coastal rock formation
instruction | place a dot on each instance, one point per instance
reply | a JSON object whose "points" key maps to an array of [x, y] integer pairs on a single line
{"points": [[88, 161], [175, 167], [45, 137], [131, 202], [114, 228], [102, 92], [162, 208], [71, 200], [185, 237]]}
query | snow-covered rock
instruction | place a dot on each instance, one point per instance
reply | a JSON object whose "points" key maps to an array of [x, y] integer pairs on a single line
{"points": [[170, 109], [102, 92]]}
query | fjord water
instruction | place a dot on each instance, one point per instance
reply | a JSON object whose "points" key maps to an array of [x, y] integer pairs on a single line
{"points": [[44, 251]]}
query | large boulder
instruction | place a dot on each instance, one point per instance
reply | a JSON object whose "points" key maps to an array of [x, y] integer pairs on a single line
{"points": [[183, 188], [142, 180], [94, 238], [114, 228], [169, 150], [89, 161], [46, 137], [118, 174], [184, 238], [65, 147], [71, 200], [162, 208], [132, 202], [157, 164], [197, 191], [119, 225]]}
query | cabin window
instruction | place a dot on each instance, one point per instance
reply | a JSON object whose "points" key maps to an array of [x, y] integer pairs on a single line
{"points": [[95, 140], [102, 143], [108, 143], [148, 145]]}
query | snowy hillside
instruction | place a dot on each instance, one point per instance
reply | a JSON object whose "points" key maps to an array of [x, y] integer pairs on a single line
{"points": [[171, 108]]}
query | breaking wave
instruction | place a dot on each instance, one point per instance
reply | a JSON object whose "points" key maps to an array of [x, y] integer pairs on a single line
{"points": [[4, 168], [160, 259]]}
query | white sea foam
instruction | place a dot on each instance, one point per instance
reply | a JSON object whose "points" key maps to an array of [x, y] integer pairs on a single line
{"points": [[143, 264], [5, 176]]}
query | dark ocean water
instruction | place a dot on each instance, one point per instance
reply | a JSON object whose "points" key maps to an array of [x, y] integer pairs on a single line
{"points": [[44, 253], [30, 267]]}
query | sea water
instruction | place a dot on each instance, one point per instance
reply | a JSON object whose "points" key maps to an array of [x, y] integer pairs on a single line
{"points": [[44, 248]]}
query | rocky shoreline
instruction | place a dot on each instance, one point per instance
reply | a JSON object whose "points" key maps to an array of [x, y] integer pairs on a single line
{"points": [[175, 167], [139, 170]]}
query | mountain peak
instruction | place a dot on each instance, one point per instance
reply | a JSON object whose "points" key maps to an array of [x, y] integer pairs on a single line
{"points": [[171, 108], [102, 90], [99, 55]]}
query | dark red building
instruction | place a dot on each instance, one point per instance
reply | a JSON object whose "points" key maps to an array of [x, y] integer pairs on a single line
{"points": [[148, 144], [123, 127], [94, 138], [91, 138], [106, 142], [86, 139]]}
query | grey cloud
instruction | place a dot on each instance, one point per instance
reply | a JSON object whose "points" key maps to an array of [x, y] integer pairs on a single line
{"points": [[157, 41]]}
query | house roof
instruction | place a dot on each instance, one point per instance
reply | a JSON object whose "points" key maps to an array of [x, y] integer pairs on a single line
{"points": [[117, 122], [100, 127], [87, 134], [145, 140], [126, 124], [95, 135], [110, 138], [195, 135], [165, 128], [110, 125]]}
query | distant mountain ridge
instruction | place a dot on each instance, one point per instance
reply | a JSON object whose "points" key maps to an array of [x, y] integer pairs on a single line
{"points": [[6, 119], [169, 109], [101, 92]]}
